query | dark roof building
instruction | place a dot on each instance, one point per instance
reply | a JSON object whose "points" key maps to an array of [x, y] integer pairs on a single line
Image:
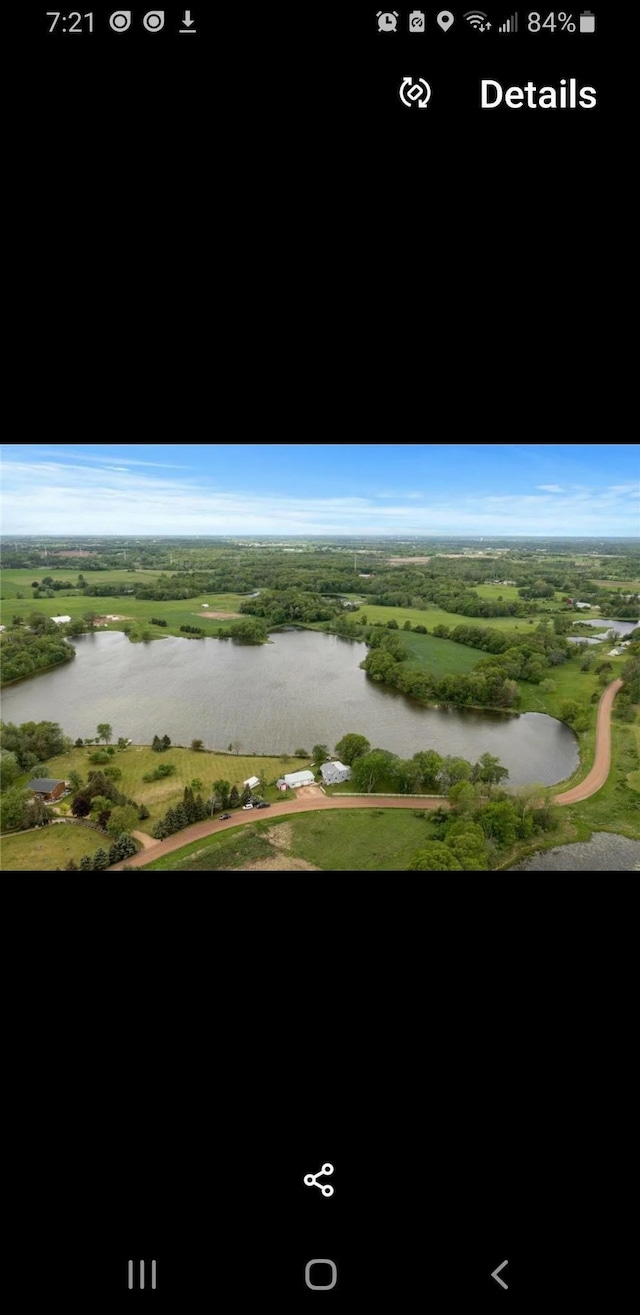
{"points": [[47, 788]]}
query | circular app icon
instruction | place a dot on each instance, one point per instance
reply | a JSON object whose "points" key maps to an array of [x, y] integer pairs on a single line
{"points": [[154, 20], [120, 21]]}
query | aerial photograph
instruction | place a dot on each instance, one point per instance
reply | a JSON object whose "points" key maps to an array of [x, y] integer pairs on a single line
{"points": [[304, 657]]}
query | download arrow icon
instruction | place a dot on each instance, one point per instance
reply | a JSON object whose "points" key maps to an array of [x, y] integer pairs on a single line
{"points": [[495, 1273], [188, 20]]}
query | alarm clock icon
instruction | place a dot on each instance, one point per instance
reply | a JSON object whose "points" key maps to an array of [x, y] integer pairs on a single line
{"points": [[387, 22]]}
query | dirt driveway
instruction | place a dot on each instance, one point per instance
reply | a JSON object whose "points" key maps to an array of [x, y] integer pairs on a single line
{"points": [[602, 757]]}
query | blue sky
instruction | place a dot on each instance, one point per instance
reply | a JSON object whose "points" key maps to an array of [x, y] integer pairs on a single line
{"points": [[250, 489]]}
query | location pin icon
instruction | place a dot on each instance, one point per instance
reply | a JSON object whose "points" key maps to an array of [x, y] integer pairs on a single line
{"points": [[445, 19]]}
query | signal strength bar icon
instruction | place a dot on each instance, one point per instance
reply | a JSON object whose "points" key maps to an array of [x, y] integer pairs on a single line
{"points": [[510, 24]]}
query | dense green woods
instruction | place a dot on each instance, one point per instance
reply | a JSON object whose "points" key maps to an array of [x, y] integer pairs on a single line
{"points": [[23, 653]]}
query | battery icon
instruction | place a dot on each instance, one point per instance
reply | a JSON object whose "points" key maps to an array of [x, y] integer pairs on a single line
{"points": [[587, 21]]}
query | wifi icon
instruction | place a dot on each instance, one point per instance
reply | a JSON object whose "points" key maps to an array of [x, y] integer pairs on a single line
{"points": [[475, 18]]}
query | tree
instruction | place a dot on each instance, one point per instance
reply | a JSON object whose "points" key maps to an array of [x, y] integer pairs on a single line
{"points": [[143, 812], [100, 859], [454, 770], [462, 796], [86, 863], [548, 686], [80, 806], [430, 764], [246, 795], [9, 769], [15, 810], [197, 783], [90, 618], [488, 769], [122, 818], [221, 790], [352, 746], [435, 857], [122, 743], [499, 822], [407, 775], [234, 797], [300, 753], [166, 742], [197, 746], [79, 743], [75, 780], [370, 768], [319, 753]]}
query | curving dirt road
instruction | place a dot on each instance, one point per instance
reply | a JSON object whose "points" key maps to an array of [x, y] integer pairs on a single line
{"points": [[200, 830], [602, 758]]}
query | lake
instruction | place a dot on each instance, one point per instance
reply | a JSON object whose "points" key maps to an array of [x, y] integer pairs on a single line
{"points": [[621, 627], [303, 688], [604, 852]]}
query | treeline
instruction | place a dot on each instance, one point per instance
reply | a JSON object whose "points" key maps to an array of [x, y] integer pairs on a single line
{"points": [[386, 663], [474, 839], [121, 849], [192, 809], [289, 605], [23, 653]]}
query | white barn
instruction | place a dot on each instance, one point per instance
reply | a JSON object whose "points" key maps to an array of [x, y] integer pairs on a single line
{"points": [[60, 620], [252, 782], [295, 779], [334, 773]]}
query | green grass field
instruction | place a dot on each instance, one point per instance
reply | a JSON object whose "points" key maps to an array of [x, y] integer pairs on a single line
{"points": [[441, 656], [434, 616], [138, 611], [135, 761], [49, 847], [382, 840]]}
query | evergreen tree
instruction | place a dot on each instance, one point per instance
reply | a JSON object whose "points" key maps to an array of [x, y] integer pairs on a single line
{"points": [[100, 859], [234, 798], [246, 795], [86, 863], [200, 809], [166, 742]]}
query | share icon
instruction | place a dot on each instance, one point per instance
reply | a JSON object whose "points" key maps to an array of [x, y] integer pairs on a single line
{"points": [[311, 1179]]}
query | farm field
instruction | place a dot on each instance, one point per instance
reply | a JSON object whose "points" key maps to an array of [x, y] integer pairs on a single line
{"points": [[509, 594], [435, 616], [15, 581], [49, 847], [441, 656], [137, 760], [382, 840], [138, 611]]}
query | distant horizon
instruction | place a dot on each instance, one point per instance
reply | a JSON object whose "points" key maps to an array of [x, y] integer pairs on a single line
{"points": [[396, 538], [322, 490]]}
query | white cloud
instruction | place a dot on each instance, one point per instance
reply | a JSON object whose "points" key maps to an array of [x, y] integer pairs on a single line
{"points": [[48, 497], [550, 488]]}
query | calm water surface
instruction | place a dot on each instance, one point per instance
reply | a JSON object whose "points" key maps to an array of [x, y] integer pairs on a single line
{"points": [[621, 627], [302, 689], [604, 852]]}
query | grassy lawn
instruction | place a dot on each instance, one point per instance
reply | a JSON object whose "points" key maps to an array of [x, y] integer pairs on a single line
{"points": [[615, 806], [137, 610], [48, 848], [441, 656], [135, 761], [341, 841]]}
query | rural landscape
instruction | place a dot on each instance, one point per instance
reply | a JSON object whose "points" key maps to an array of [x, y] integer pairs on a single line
{"points": [[287, 701]]}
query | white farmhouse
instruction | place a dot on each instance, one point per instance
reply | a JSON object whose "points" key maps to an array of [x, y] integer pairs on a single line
{"points": [[334, 773], [60, 620]]}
